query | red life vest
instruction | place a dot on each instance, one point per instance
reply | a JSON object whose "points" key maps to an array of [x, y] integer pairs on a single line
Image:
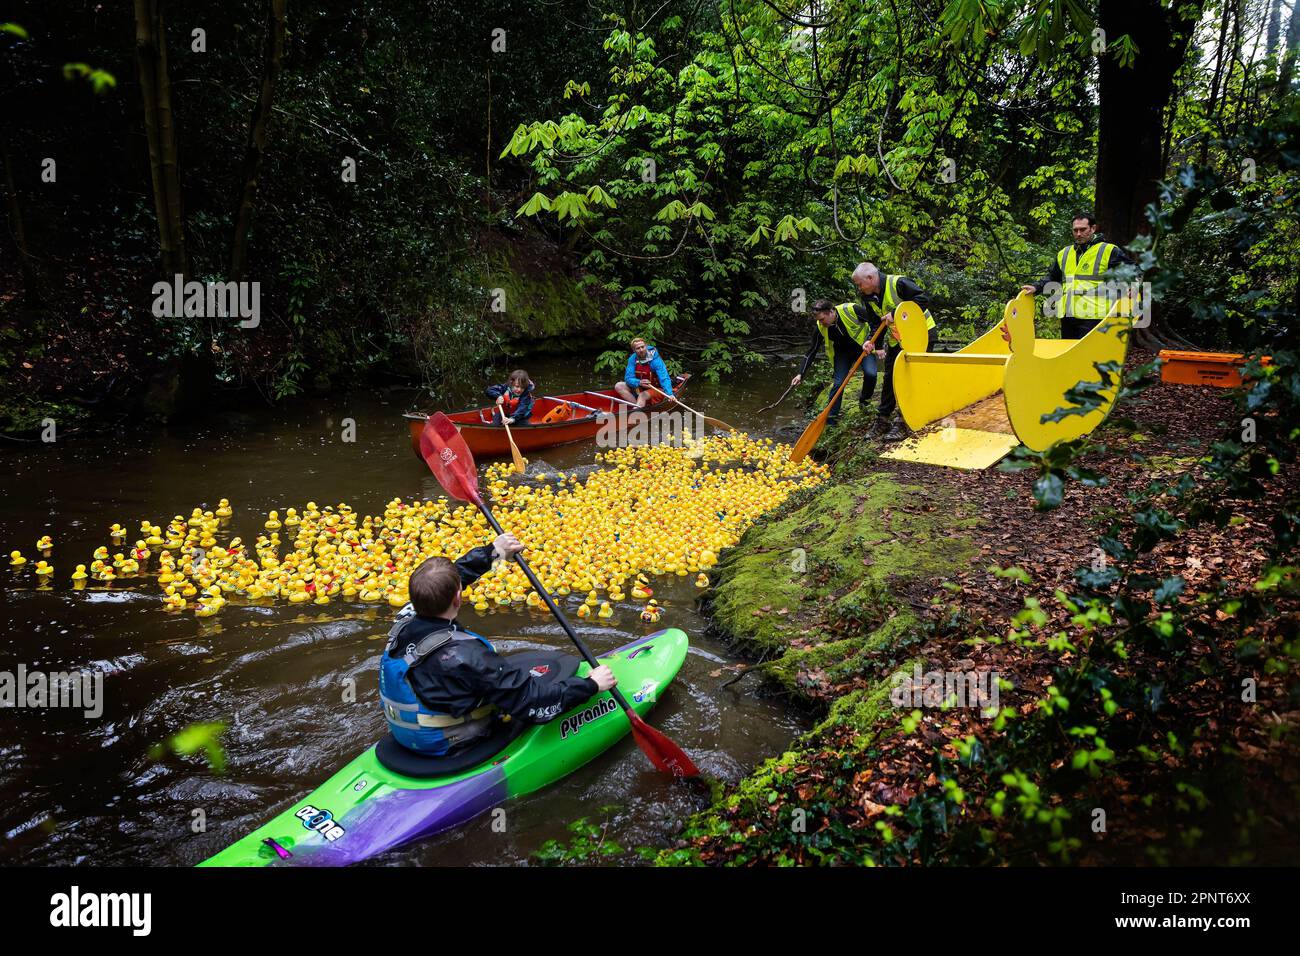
{"points": [[509, 403], [644, 372]]}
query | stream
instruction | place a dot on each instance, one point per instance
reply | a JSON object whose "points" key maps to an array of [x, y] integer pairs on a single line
{"points": [[80, 790]]}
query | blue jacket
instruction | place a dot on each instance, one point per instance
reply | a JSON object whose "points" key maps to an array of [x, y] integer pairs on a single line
{"points": [[523, 412], [460, 678], [656, 365]]}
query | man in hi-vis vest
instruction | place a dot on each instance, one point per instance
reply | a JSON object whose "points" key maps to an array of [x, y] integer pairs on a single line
{"points": [[1079, 271], [843, 332], [882, 293], [845, 329]]}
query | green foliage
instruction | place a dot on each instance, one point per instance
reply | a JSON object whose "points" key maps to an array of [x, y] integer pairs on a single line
{"points": [[196, 738]]}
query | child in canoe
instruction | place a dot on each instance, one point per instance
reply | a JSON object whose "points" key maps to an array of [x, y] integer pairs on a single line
{"points": [[444, 688], [514, 399]]}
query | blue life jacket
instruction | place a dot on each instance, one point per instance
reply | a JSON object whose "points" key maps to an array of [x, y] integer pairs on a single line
{"points": [[414, 725]]}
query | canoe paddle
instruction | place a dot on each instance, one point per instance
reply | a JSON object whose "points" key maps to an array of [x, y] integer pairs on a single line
{"points": [[449, 458], [715, 422], [818, 424], [521, 463]]}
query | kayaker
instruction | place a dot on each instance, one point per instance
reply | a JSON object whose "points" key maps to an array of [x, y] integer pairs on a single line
{"points": [[644, 368], [442, 687], [514, 399], [882, 294], [843, 331]]}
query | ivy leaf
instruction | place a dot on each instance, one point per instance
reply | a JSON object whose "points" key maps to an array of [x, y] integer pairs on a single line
{"points": [[1169, 589]]}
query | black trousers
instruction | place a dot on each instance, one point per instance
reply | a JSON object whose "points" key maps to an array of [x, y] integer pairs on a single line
{"points": [[844, 361], [1072, 328]]}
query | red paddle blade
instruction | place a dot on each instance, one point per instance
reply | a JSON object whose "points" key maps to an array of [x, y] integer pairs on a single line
{"points": [[663, 753], [449, 458]]}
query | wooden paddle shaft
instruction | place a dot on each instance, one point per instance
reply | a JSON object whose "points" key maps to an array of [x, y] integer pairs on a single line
{"points": [[559, 615], [880, 328]]}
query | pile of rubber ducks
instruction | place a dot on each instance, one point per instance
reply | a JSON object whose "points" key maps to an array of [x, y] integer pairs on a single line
{"points": [[649, 511]]}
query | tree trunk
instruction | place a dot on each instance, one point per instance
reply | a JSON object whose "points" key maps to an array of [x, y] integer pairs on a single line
{"points": [[1292, 49], [1214, 85], [275, 31], [164, 163], [19, 232], [1130, 154], [1274, 29]]}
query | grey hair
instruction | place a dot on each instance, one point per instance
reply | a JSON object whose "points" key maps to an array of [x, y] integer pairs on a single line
{"points": [[865, 270]]}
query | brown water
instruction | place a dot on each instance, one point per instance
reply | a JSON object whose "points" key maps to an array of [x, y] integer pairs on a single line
{"points": [[76, 790]]}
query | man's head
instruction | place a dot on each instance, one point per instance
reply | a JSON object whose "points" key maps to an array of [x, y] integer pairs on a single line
{"points": [[866, 277], [824, 312], [435, 589], [1084, 227], [640, 348]]}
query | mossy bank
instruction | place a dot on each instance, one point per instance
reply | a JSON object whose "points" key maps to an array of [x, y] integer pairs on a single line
{"points": [[824, 594]]}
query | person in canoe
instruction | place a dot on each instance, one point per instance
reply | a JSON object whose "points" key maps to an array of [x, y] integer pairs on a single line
{"points": [[514, 399], [843, 331], [444, 688], [644, 368]]}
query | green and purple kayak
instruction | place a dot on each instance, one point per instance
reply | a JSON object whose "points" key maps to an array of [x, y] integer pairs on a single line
{"points": [[369, 807]]}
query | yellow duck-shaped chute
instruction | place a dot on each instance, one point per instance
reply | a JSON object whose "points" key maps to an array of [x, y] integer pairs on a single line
{"points": [[1041, 371]]}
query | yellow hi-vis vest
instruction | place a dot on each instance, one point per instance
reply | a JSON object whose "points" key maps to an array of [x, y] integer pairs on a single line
{"points": [[889, 302], [848, 317], [1082, 275]]}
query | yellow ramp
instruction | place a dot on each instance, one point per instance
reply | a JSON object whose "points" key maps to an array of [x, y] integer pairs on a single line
{"points": [[930, 386], [969, 449]]}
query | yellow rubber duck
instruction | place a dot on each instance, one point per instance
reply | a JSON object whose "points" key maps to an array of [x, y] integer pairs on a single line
{"points": [[205, 609], [592, 599], [701, 580], [43, 573], [79, 577], [606, 611], [584, 610], [223, 509], [16, 559], [273, 521], [118, 534], [45, 546]]}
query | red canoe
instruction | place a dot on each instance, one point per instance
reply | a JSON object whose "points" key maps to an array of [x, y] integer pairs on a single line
{"points": [[580, 416]]}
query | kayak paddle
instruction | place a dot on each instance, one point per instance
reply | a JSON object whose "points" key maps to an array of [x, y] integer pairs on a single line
{"points": [[521, 463], [449, 458], [715, 422], [815, 428]]}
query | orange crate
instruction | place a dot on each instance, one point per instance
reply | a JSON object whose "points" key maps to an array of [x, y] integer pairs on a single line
{"points": [[1202, 368]]}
